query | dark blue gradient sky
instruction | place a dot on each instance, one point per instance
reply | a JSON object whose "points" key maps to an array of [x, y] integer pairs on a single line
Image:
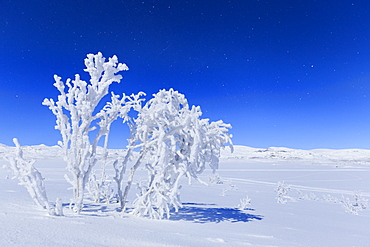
{"points": [[283, 73]]}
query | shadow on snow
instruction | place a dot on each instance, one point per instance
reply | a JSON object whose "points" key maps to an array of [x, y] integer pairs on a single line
{"points": [[203, 213]]}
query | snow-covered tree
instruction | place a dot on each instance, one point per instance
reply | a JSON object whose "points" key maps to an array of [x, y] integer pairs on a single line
{"points": [[176, 143], [77, 115]]}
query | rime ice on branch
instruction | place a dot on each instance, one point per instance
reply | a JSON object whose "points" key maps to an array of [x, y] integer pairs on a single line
{"points": [[75, 112]]}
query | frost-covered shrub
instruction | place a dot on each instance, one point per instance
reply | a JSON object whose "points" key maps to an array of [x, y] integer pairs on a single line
{"points": [[176, 143], [359, 200], [100, 190], [282, 192], [77, 115], [215, 179], [29, 177], [230, 186], [308, 197], [331, 199], [358, 203], [349, 206], [244, 203]]}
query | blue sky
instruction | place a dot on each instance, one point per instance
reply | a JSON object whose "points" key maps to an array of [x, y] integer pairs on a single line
{"points": [[283, 73]]}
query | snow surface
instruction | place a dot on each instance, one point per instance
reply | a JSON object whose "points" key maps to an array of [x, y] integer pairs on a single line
{"points": [[313, 215]]}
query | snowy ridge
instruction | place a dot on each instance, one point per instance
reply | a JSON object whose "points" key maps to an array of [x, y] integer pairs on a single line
{"points": [[282, 153], [240, 152]]}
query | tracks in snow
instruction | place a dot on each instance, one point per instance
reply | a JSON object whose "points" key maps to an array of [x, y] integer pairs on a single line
{"points": [[297, 187]]}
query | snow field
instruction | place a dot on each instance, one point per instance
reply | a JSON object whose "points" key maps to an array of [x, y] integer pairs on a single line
{"points": [[311, 215]]}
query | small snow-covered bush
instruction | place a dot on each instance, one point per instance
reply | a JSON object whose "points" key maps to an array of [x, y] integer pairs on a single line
{"points": [[230, 186], [331, 199], [358, 203], [100, 190], [244, 203], [282, 192], [215, 179], [359, 200], [308, 197], [349, 206], [29, 177]]}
